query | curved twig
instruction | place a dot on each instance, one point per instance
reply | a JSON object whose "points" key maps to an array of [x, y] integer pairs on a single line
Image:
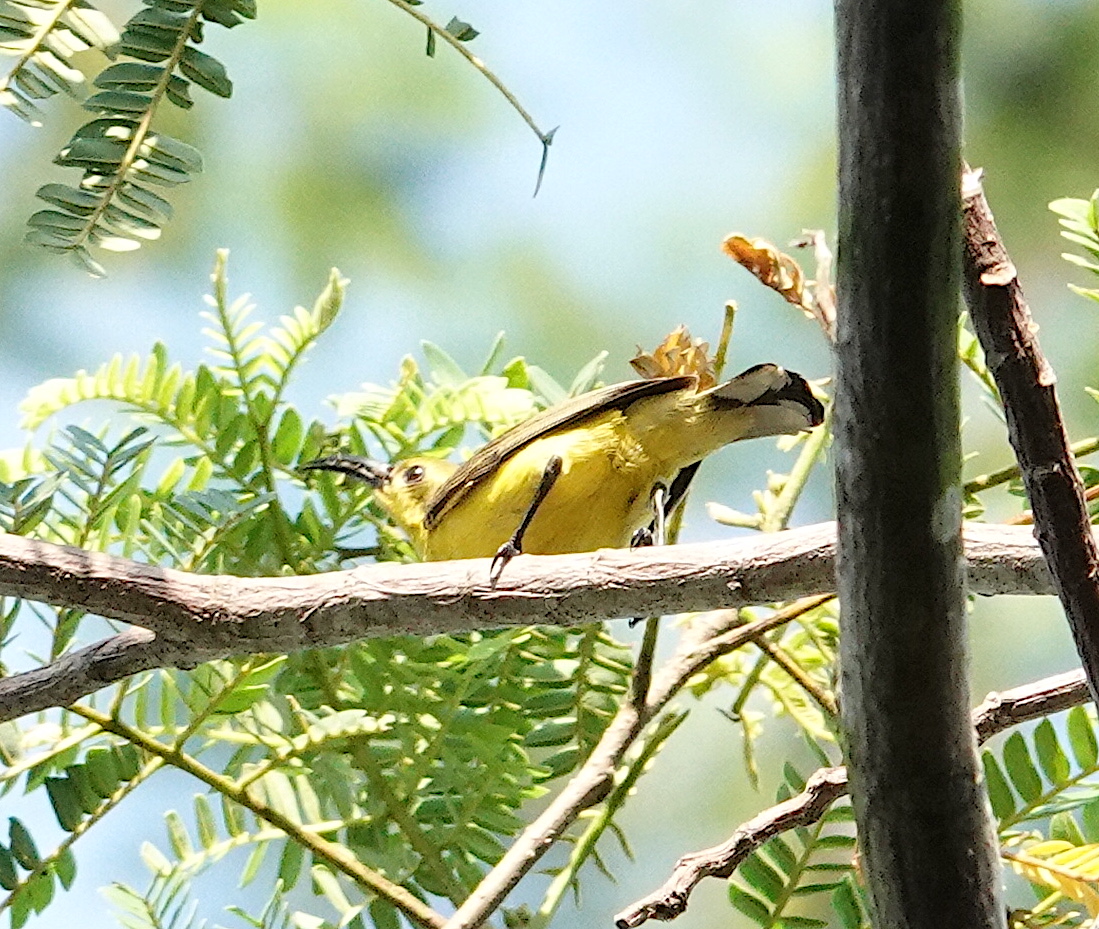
{"points": [[999, 711]]}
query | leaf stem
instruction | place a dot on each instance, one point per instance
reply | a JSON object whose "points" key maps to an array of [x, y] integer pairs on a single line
{"points": [[778, 514], [985, 481], [546, 138]]}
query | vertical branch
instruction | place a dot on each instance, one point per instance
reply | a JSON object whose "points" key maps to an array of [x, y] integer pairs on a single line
{"points": [[928, 854], [1026, 382]]}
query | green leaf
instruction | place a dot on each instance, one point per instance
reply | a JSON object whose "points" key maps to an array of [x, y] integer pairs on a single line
{"points": [[53, 220], [328, 303], [129, 760], [204, 819], [551, 732], [1063, 826], [780, 853], [588, 376], [288, 437], [206, 71], [1089, 813], [104, 776], [65, 803], [177, 835], [255, 860], [65, 868], [1081, 738], [22, 845], [762, 877], [444, 369], [750, 905], [1020, 768], [383, 914], [549, 703], [999, 792], [560, 763], [9, 877], [129, 76], [290, 862], [847, 904], [185, 157], [462, 31], [39, 890], [1051, 756], [482, 844], [70, 199], [146, 203]]}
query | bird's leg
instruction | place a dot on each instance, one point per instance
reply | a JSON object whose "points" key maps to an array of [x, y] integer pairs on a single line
{"points": [[653, 534], [514, 545], [659, 500]]}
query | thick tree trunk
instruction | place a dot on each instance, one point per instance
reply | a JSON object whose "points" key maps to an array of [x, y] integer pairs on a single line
{"points": [[927, 845]]}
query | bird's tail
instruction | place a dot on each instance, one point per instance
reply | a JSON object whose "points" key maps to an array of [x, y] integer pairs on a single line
{"points": [[781, 400]]}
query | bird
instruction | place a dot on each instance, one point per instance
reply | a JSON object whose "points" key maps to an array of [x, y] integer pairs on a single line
{"points": [[598, 470]]}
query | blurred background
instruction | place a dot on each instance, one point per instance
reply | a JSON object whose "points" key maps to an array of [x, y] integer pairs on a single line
{"points": [[343, 145]]}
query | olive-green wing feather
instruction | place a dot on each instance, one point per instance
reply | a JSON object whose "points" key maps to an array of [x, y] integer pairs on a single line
{"points": [[488, 458]]}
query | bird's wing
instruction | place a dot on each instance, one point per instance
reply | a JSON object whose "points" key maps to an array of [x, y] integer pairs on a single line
{"points": [[489, 457]]}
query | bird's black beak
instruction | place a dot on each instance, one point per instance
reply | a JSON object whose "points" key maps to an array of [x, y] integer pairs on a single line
{"points": [[374, 473]]}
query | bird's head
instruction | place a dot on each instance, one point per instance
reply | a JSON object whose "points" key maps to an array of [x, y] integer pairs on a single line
{"points": [[402, 489]]}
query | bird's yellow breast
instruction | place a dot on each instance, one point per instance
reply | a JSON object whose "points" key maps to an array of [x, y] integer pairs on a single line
{"points": [[600, 498]]}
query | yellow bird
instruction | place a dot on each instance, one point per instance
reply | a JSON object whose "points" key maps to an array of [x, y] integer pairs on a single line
{"points": [[587, 473]]}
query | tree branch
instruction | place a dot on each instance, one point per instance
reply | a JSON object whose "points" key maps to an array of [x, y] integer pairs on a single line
{"points": [[197, 618], [712, 636], [999, 711], [1007, 332], [926, 839]]}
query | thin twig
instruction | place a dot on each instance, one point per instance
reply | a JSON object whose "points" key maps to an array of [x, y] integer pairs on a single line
{"points": [[709, 639], [818, 694], [998, 712], [1011, 472], [546, 138], [1026, 518], [331, 853]]}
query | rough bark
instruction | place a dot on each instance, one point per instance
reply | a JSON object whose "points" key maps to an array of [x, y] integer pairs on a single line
{"points": [[1027, 384], [185, 619], [924, 833]]}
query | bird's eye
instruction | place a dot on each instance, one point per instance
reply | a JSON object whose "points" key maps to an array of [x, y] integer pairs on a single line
{"points": [[414, 475]]}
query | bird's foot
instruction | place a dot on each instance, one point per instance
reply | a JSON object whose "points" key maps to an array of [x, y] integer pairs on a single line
{"points": [[500, 560]]}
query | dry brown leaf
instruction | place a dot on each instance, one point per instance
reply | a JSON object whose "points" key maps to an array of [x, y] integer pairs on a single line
{"points": [[771, 267], [677, 354]]}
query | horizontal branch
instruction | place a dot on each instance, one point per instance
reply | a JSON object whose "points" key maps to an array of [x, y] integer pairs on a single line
{"points": [[196, 618], [999, 711]]}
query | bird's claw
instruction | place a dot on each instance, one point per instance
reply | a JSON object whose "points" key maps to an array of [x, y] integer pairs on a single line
{"points": [[500, 560]]}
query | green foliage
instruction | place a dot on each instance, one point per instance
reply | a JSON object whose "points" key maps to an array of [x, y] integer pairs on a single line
{"points": [[1044, 790], [154, 60], [754, 677], [791, 869], [1080, 225], [31, 879], [1040, 778], [45, 35], [166, 904], [417, 756]]}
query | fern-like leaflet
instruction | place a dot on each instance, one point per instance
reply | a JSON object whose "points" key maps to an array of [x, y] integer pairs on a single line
{"points": [[789, 869]]}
